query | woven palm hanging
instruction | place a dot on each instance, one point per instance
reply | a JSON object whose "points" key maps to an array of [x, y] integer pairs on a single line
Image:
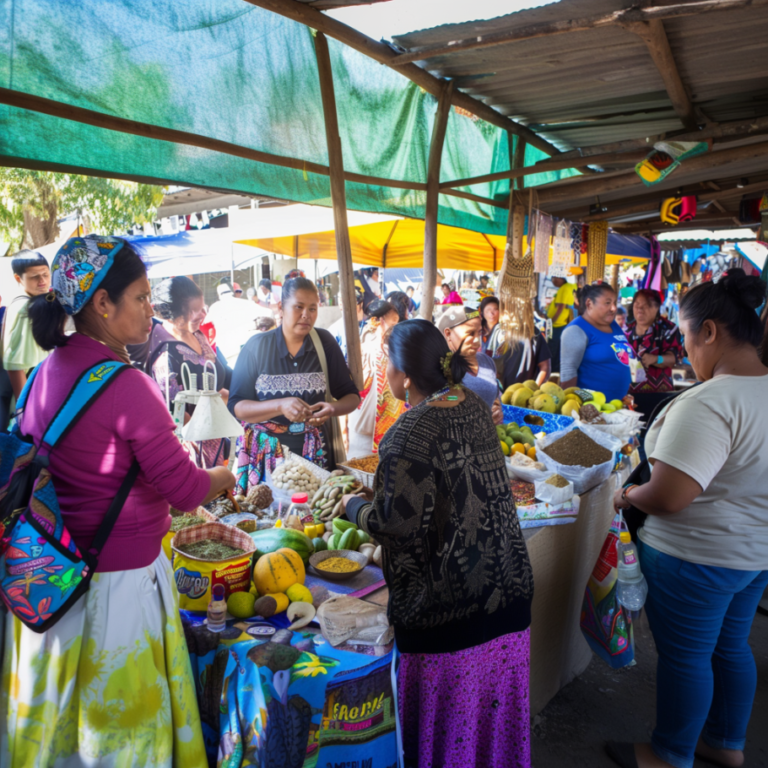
{"points": [[597, 244], [518, 283]]}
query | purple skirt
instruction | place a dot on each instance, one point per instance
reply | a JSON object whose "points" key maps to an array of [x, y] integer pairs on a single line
{"points": [[468, 708]]}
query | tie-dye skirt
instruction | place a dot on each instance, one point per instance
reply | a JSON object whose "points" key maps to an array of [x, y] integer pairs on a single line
{"points": [[110, 685]]}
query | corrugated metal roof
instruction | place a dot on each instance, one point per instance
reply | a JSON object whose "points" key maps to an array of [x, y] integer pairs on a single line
{"points": [[601, 85]]}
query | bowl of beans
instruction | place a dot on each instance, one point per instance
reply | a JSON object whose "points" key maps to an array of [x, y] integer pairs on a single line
{"points": [[337, 564]]}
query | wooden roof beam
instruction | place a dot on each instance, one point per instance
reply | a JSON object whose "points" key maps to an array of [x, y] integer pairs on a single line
{"points": [[304, 14], [719, 133], [583, 188], [654, 36], [551, 28], [548, 165]]}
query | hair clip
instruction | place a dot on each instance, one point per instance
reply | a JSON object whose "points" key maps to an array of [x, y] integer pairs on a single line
{"points": [[50, 297]]}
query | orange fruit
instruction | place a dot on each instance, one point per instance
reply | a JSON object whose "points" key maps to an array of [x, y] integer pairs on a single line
{"points": [[531, 452], [518, 448]]}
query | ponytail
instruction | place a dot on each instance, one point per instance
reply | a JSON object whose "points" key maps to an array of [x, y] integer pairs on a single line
{"points": [[48, 320]]}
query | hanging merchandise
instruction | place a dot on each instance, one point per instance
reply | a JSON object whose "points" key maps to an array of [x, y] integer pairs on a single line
{"points": [[750, 209], [676, 209], [666, 156], [576, 240], [518, 284], [541, 247], [562, 253], [596, 248]]}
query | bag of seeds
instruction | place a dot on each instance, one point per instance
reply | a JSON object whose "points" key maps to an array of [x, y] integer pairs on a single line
{"points": [[554, 489], [583, 455], [210, 554], [182, 520]]}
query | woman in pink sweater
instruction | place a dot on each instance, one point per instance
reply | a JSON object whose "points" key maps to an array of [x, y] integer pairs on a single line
{"points": [[111, 682]]}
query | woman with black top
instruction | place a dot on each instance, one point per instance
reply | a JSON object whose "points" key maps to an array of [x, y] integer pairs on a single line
{"points": [[280, 389], [459, 578]]}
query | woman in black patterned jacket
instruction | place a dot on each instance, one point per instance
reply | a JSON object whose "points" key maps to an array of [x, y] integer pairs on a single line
{"points": [[455, 562]]}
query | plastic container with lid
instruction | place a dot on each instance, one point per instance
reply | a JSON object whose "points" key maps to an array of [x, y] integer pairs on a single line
{"points": [[217, 610], [300, 506], [632, 588]]}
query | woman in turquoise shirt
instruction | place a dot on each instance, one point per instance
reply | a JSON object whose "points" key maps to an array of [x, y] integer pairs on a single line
{"points": [[595, 353]]}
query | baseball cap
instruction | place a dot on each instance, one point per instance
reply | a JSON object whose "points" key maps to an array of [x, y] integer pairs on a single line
{"points": [[223, 289], [456, 316], [236, 287]]}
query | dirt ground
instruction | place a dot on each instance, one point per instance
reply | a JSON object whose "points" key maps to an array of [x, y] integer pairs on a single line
{"points": [[603, 704]]}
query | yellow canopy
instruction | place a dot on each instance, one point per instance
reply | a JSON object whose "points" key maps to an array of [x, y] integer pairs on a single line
{"points": [[400, 243]]}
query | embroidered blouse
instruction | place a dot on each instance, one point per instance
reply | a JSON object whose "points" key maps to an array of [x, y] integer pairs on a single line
{"points": [[265, 370], [661, 337]]}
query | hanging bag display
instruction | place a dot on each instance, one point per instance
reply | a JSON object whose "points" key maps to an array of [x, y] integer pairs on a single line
{"points": [[42, 571]]}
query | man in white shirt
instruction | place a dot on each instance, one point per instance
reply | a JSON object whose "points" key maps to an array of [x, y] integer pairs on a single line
{"points": [[265, 296], [234, 321]]}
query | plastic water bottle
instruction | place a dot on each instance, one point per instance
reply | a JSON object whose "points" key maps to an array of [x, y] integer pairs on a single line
{"points": [[217, 610], [632, 587]]}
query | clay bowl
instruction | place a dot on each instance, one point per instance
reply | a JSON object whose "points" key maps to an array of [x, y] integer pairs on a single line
{"points": [[348, 554]]}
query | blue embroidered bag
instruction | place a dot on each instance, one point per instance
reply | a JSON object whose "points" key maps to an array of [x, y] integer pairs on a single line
{"points": [[42, 571]]}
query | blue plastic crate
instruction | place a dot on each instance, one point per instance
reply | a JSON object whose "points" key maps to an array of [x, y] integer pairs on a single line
{"points": [[553, 422]]}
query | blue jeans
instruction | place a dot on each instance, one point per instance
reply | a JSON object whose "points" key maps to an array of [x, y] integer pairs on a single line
{"points": [[701, 617]]}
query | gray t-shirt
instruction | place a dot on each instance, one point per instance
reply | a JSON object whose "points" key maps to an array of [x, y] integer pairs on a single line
{"points": [[715, 433], [484, 384]]}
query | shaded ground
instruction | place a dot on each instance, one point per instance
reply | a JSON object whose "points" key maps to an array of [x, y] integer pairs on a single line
{"points": [[604, 704]]}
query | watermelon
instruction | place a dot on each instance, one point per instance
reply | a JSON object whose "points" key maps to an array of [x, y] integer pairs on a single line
{"points": [[272, 539]]}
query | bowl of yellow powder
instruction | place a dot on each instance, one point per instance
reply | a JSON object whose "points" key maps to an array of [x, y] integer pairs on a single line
{"points": [[337, 564]]}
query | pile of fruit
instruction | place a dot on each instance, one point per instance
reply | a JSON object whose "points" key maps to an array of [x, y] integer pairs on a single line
{"points": [[515, 439], [278, 586], [346, 535], [550, 398]]}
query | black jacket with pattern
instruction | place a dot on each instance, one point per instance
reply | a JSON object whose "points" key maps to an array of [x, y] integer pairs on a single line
{"points": [[453, 553]]}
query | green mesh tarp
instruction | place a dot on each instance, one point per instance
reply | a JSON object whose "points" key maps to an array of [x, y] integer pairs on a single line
{"points": [[227, 70]]}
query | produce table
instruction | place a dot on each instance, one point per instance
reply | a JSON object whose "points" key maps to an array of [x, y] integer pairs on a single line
{"points": [[261, 692]]}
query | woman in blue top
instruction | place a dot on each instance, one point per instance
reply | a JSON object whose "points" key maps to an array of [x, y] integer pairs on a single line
{"points": [[595, 353]]}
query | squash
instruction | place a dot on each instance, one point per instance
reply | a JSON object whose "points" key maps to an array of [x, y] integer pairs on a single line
{"points": [[298, 563], [319, 545], [272, 539], [276, 571]]}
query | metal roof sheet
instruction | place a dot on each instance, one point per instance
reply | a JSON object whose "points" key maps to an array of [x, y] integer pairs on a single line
{"points": [[601, 85]]}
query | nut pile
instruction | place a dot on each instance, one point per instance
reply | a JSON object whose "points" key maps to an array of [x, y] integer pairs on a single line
{"points": [[557, 480], [295, 478], [367, 464]]}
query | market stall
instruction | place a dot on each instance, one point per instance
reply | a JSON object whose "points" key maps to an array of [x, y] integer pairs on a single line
{"points": [[284, 602]]}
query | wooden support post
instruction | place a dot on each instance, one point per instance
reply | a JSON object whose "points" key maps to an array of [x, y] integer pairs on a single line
{"points": [[339, 200], [433, 197], [615, 278]]}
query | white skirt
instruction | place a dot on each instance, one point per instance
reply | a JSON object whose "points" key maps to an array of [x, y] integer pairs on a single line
{"points": [[109, 686]]}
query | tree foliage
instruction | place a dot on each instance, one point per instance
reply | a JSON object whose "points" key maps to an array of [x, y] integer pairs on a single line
{"points": [[31, 202]]}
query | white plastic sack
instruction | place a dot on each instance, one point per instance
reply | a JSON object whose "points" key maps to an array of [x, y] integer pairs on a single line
{"points": [[583, 478], [526, 474], [551, 493], [620, 424], [347, 618], [283, 495]]}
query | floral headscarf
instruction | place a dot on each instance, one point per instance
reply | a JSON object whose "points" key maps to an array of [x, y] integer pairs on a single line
{"points": [[80, 266]]}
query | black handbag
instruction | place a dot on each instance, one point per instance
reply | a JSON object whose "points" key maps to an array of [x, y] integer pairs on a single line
{"points": [[641, 474]]}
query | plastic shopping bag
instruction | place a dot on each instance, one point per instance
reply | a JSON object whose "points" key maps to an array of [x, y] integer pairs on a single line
{"points": [[605, 623]]}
